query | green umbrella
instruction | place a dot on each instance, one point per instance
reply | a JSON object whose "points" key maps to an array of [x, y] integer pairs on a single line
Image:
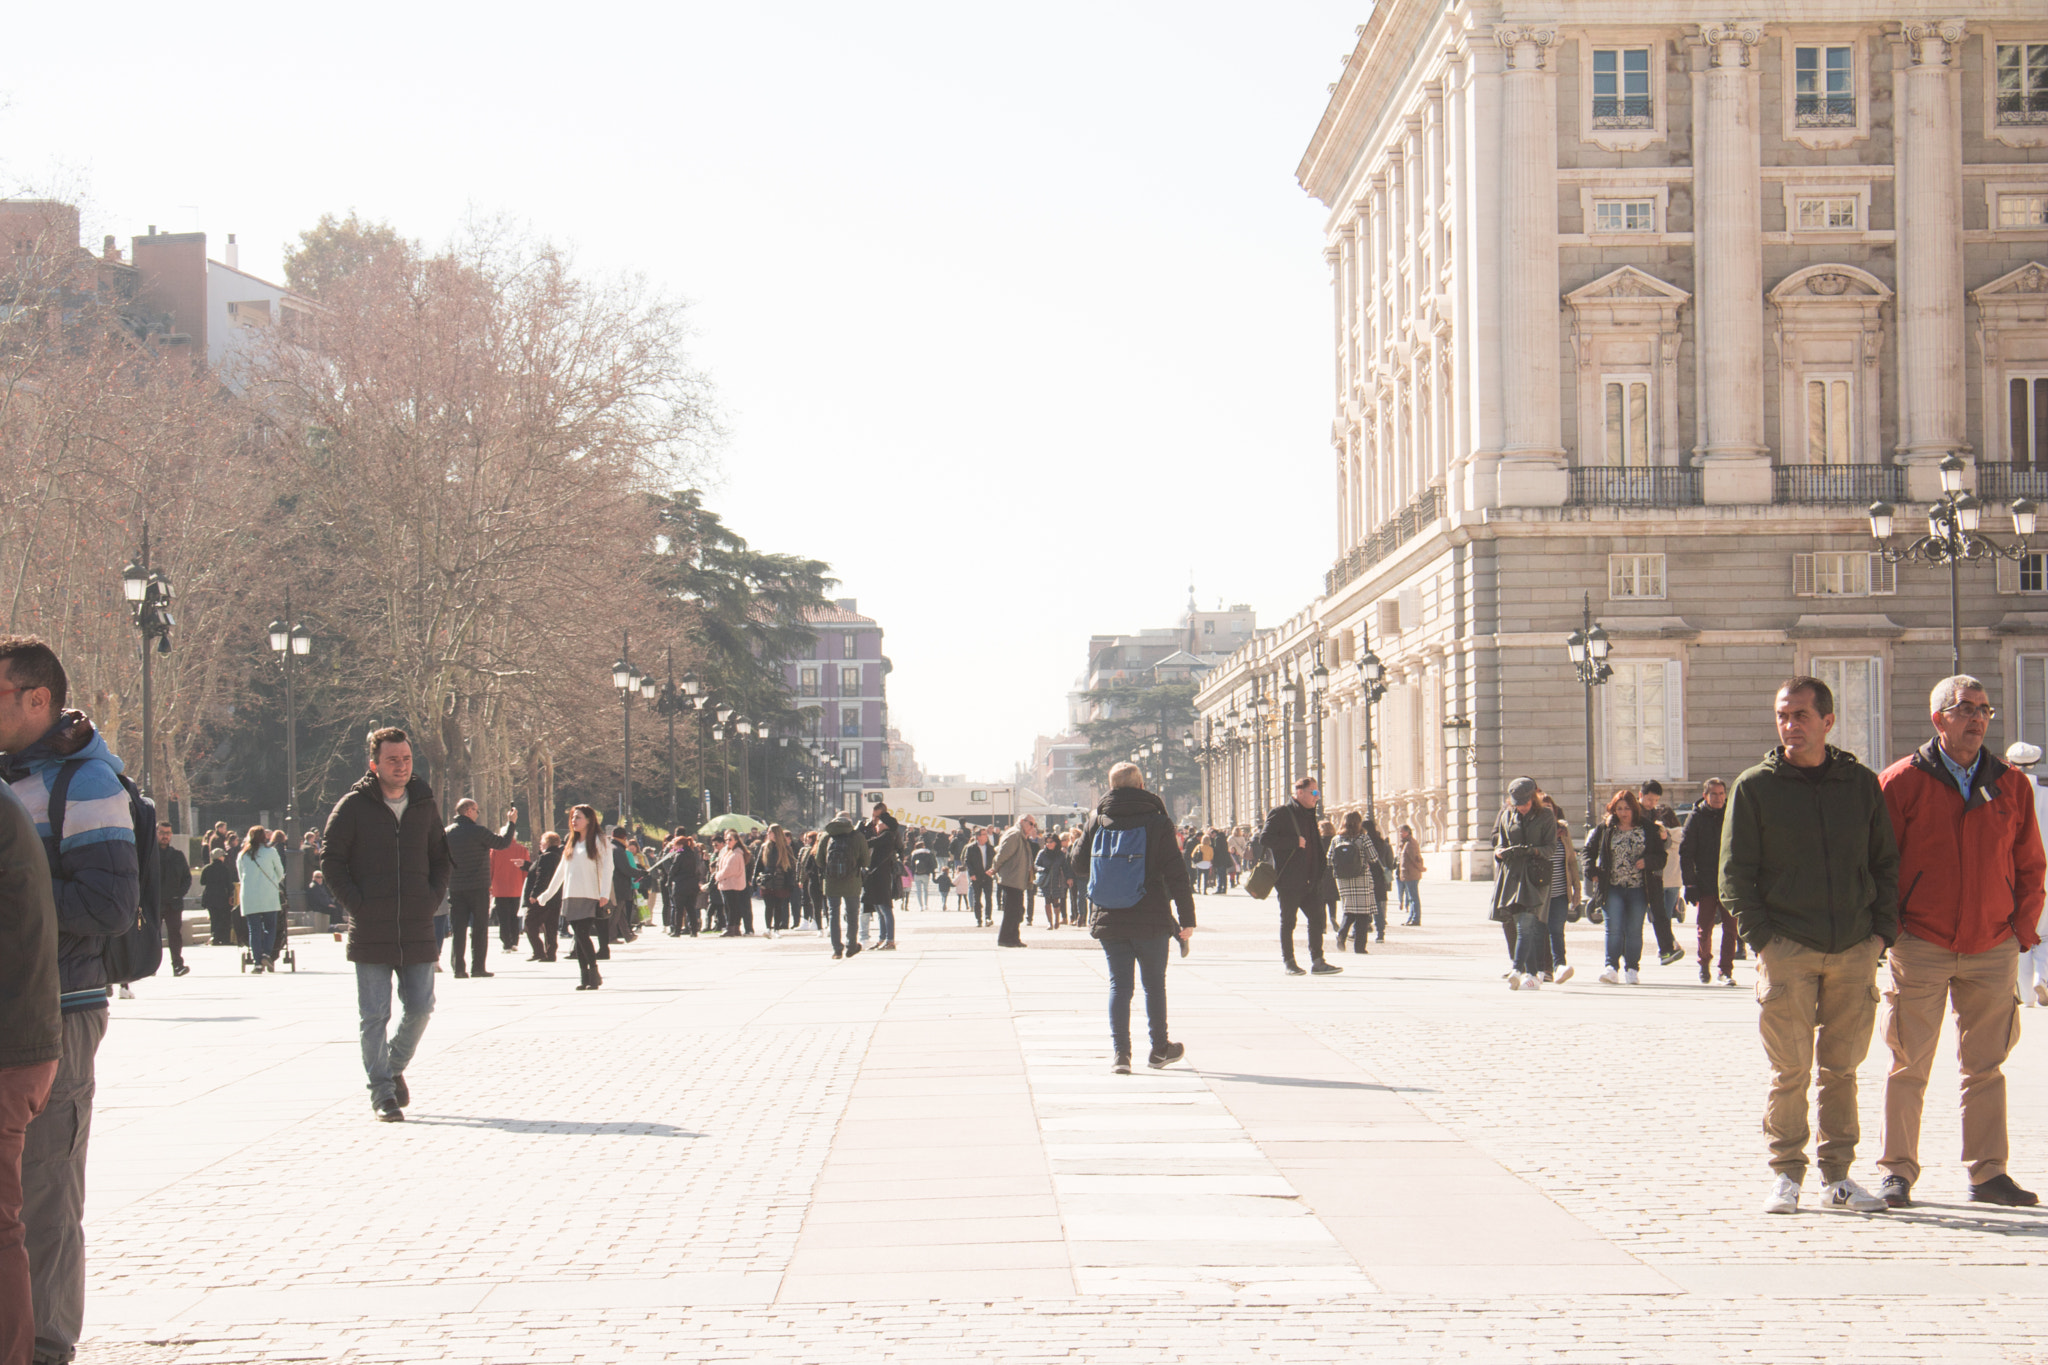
{"points": [[745, 824]]}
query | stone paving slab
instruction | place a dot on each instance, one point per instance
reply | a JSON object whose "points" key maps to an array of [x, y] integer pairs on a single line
{"points": [[741, 1150]]}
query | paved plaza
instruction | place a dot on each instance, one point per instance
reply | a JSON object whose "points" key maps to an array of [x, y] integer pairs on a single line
{"points": [[743, 1150]]}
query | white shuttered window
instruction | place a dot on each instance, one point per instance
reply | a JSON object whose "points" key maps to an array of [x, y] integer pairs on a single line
{"points": [[1858, 685], [1645, 720]]}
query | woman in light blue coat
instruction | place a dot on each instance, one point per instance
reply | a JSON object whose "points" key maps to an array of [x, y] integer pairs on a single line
{"points": [[261, 871]]}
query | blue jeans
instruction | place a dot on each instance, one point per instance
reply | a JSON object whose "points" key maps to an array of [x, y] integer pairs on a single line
{"points": [[1139, 957], [1409, 897], [849, 906], [887, 931], [1559, 906], [382, 1058], [1532, 943], [262, 935], [1626, 907]]}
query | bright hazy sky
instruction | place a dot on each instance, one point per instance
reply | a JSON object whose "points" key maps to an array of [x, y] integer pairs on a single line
{"points": [[1016, 316]]}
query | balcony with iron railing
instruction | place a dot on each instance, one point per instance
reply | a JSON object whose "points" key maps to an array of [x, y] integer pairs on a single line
{"points": [[2023, 110], [1849, 485], [1652, 486], [1623, 111], [1397, 531], [1812, 110], [2003, 483]]}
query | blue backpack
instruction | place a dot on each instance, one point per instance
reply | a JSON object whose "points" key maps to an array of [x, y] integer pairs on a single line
{"points": [[1116, 867], [137, 951]]}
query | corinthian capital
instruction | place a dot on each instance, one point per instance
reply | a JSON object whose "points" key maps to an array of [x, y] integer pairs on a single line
{"points": [[1732, 42], [1510, 37], [1933, 41]]}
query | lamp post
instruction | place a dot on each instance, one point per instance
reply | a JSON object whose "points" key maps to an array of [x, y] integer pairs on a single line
{"points": [[1951, 538], [1588, 647], [745, 728], [1371, 686], [1318, 685], [148, 593], [694, 693], [289, 641], [718, 737], [627, 679], [649, 691], [1262, 707]]}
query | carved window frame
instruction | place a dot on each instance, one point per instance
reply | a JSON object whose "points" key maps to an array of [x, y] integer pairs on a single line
{"points": [[1796, 36], [1658, 40], [2011, 134], [1804, 313], [1659, 194], [1859, 191]]}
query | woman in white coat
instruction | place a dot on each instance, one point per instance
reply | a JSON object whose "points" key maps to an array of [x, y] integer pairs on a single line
{"points": [[584, 880]]}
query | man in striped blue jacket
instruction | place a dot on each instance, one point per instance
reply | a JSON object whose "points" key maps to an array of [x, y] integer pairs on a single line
{"points": [[97, 883]]}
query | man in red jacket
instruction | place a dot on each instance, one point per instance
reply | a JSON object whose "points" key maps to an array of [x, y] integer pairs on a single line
{"points": [[1970, 874]]}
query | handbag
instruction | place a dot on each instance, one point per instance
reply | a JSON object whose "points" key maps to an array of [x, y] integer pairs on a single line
{"points": [[1260, 881]]}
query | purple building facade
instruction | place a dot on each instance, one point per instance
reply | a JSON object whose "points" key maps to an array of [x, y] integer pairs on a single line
{"points": [[841, 692]]}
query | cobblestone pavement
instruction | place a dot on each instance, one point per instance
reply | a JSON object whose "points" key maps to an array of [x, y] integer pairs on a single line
{"points": [[747, 1151]]}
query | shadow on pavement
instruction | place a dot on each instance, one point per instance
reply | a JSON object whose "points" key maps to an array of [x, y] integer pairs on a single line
{"points": [[610, 1128], [1977, 1218], [1313, 1083]]}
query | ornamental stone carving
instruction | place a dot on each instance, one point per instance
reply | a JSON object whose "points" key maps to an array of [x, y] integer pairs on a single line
{"points": [[1732, 42], [1512, 36], [1933, 41]]}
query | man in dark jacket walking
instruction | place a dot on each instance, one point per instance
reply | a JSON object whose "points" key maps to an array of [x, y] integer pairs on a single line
{"points": [[980, 862], [470, 846], [173, 880], [1294, 840], [1810, 871], [1699, 866], [1134, 937], [387, 862]]}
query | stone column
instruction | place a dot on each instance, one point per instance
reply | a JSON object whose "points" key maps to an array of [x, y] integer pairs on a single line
{"points": [[1532, 466], [1729, 254], [1930, 253]]}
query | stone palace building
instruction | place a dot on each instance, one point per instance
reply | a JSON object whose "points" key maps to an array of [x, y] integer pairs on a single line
{"points": [[1641, 308]]}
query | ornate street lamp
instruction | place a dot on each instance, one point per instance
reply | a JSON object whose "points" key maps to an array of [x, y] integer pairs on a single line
{"points": [[148, 594], [1372, 687], [1588, 647], [627, 680], [1952, 537], [290, 642]]}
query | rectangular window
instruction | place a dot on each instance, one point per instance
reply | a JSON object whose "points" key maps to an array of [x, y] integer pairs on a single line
{"points": [[1635, 576], [1645, 720], [2022, 84], [1624, 215], [2027, 420], [1859, 707], [1827, 421], [1823, 88], [849, 760], [1628, 421], [1621, 87], [807, 682], [1843, 573], [811, 721], [2033, 572], [849, 720], [2023, 210], [849, 682], [1828, 213], [846, 647], [2032, 721]]}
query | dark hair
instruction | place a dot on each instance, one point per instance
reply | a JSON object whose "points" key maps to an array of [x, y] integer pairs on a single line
{"points": [[1354, 824], [1637, 815], [592, 830], [390, 734], [1823, 695], [31, 664], [257, 837], [1651, 787]]}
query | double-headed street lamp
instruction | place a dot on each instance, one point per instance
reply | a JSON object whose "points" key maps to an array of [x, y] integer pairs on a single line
{"points": [[1372, 686], [1318, 688], [746, 730], [1588, 647], [1952, 537], [288, 642], [627, 679], [148, 593]]}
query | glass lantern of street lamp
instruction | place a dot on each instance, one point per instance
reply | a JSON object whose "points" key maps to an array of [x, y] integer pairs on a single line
{"points": [[2023, 513], [134, 582], [622, 675], [725, 713], [1969, 512], [718, 734], [691, 687], [1319, 677], [1158, 746], [1597, 644], [648, 689], [744, 726], [1952, 474], [280, 637], [1575, 645], [1458, 734], [1370, 669], [302, 641], [1882, 517]]}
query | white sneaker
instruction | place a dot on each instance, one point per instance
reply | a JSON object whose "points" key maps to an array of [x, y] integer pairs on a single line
{"points": [[1611, 977], [1847, 1194], [1564, 974], [1514, 981], [1784, 1196], [127, 994], [1530, 983], [2041, 991], [1630, 976], [1724, 979]]}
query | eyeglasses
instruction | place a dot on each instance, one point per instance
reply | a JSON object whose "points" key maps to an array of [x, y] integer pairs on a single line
{"points": [[1963, 710]]}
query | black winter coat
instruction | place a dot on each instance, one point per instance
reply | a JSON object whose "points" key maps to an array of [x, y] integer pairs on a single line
{"points": [[31, 1027], [469, 853], [538, 875], [173, 874], [390, 875], [217, 886], [1166, 872], [1300, 867], [1699, 852]]}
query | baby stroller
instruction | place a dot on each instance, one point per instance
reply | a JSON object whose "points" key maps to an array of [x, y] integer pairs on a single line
{"points": [[283, 954]]}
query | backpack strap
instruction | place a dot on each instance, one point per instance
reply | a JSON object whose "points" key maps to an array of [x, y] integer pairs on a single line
{"points": [[60, 798]]}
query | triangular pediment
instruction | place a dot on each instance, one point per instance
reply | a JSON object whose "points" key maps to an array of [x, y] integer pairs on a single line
{"points": [[1627, 283], [1830, 281], [2031, 278]]}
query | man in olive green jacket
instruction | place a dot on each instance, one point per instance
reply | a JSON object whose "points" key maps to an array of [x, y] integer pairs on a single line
{"points": [[841, 846], [1810, 871]]}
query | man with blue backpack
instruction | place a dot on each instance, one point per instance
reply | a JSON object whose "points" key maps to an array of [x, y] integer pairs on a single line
{"points": [[65, 775], [1131, 863]]}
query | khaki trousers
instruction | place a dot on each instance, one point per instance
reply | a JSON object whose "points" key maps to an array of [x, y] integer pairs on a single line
{"points": [[1984, 988], [1815, 1008]]}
